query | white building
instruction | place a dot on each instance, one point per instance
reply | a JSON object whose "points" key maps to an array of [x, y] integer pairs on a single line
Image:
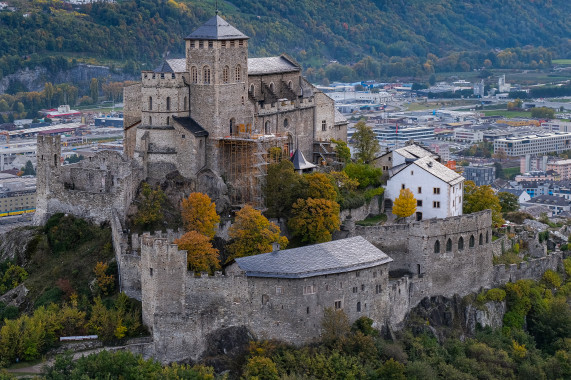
{"points": [[438, 190], [534, 144], [557, 126], [468, 135], [502, 85]]}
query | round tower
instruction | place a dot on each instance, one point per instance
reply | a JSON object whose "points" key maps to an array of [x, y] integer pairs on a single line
{"points": [[217, 63]]}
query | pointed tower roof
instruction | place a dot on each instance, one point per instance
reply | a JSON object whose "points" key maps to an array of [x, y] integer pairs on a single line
{"points": [[216, 29], [299, 161]]}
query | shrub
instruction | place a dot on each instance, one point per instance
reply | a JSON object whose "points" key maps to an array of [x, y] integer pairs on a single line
{"points": [[551, 279], [496, 295], [66, 231]]}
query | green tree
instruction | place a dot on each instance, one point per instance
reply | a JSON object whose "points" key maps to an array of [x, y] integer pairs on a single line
{"points": [[365, 143], [508, 201], [281, 190], [199, 214], [405, 204], [366, 174], [94, 90], [342, 150], [261, 368], [252, 234], [479, 198], [543, 112], [314, 220], [150, 206], [29, 168]]}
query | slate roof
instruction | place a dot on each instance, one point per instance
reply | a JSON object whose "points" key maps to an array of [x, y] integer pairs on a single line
{"points": [[172, 66], [299, 161], [216, 29], [191, 125], [438, 170], [339, 118], [337, 256], [271, 65], [414, 151], [512, 191], [548, 200]]}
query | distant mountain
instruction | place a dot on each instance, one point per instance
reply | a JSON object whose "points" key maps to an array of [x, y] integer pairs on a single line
{"points": [[377, 37]]}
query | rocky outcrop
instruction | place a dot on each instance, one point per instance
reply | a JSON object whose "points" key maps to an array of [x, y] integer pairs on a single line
{"points": [[15, 297], [14, 243], [35, 79]]}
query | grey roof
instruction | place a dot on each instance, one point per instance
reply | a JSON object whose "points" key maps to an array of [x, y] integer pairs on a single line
{"points": [[550, 200], [271, 65], [438, 170], [172, 66], [337, 256], [512, 191], [414, 151], [191, 125], [339, 118], [299, 161], [216, 29]]}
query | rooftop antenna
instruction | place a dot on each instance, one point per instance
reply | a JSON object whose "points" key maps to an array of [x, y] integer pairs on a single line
{"points": [[216, 7]]}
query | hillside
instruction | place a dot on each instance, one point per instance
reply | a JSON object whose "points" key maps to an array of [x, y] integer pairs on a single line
{"points": [[420, 36]]}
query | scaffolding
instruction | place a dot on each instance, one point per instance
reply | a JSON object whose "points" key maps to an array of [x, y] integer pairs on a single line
{"points": [[244, 161]]}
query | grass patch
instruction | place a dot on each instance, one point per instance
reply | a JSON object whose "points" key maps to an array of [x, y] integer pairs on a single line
{"points": [[561, 61], [373, 220], [510, 173], [507, 114], [507, 258]]}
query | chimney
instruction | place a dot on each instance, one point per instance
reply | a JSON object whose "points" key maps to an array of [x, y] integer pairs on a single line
{"points": [[275, 247]]}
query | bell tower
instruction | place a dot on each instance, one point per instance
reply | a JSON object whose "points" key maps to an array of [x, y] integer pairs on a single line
{"points": [[217, 63]]}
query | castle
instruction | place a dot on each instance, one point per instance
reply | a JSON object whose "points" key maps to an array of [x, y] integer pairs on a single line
{"points": [[212, 117]]}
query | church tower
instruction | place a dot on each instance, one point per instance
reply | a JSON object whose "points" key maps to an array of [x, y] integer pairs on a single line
{"points": [[217, 63]]}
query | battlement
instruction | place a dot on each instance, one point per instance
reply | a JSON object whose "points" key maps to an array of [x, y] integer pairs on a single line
{"points": [[153, 79]]}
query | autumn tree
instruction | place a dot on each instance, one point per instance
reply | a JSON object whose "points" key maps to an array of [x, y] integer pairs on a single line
{"points": [[313, 220], [199, 214], [150, 206], [200, 255], [405, 204], [508, 201], [320, 185], [515, 105], [543, 112], [105, 282], [365, 142], [479, 198], [281, 189], [252, 234], [500, 154]]}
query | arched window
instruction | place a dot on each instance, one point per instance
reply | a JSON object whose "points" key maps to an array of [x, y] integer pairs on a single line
{"points": [[238, 74], [185, 103], [168, 103], [150, 103], [481, 240], [55, 159], [194, 74], [286, 123], [272, 87], [206, 75], [487, 239], [252, 89], [267, 128], [232, 125], [225, 72], [449, 245], [358, 306], [437, 246], [461, 243], [472, 241], [290, 85]]}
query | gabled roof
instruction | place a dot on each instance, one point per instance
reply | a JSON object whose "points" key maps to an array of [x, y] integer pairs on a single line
{"points": [[216, 29], [191, 125], [337, 256], [339, 118], [438, 170], [272, 65], [551, 200], [414, 151], [515, 192], [172, 66], [299, 161]]}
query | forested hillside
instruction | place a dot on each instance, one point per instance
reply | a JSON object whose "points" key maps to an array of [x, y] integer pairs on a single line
{"points": [[378, 38]]}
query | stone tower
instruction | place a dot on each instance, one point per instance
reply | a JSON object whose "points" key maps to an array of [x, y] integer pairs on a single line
{"points": [[217, 61], [47, 171]]}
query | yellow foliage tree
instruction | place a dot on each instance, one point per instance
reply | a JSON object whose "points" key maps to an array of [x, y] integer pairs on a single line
{"points": [[105, 282], [320, 185], [252, 233], [313, 220], [479, 198], [200, 255], [199, 214], [405, 204]]}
